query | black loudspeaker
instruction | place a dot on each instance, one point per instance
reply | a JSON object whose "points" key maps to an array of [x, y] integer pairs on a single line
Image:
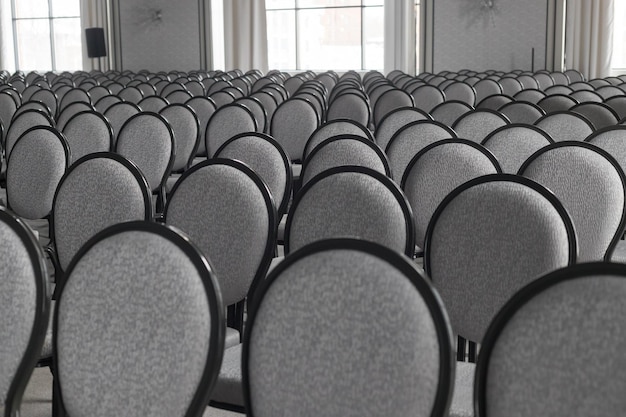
{"points": [[95, 42]]}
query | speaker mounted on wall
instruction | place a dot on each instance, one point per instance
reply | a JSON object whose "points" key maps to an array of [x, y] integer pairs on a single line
{"points": [[95, 42]]}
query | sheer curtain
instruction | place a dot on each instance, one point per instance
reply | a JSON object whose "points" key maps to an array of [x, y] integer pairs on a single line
{"points": [[589, 37], [7, 50], [245, 35], [93, 13]]}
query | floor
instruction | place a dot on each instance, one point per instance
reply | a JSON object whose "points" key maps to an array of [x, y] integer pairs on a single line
{"points": [[37, 401]]}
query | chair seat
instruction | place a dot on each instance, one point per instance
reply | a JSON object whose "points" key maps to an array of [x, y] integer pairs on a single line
{"points": [[228, 389], [462, 399], [619, 254], [46, 350], [232, 337]]}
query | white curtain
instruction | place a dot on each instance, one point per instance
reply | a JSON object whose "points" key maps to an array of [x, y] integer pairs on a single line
{"points": [[589, 37], [93, 13], [245, 35], [7, 50]]}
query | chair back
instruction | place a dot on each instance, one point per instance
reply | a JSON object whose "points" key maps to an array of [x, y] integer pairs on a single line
{"points": [[365, 318], [293, 123], [335, 128], [24, 308], [88, 132], [350, 201], [590, 184], [118, 114], [119, 326], [489, 238], [513, 144], [522, 112], [228, 121], [35, 167], [396, 120], [97, 191], [475, 125], [530, 348], [186, 128], [21, 123], [228, 212], [565, 126]]}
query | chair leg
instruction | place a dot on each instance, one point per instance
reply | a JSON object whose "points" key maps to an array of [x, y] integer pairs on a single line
{"points": [[471, 354], [460, 350]]}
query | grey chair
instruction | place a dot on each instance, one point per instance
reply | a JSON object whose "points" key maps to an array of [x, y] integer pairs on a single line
{"points": [[566, 126], [88, 132], [69, 111], [186, 128], [335, 128], [148, 140], [618, 104], [73, 95], [460, 91], [105, 102], [389, 101], [342, 150], [519, 111], [352, 106], [350, 201], [599, 115], [267, 159], [118, 114], [204, 108], [258, 111], [293, 123], [396, 120], [131, 94], [226, 122], [153, 326], [8, 107], [411, 139], [438, 169], [532, 347], [35, 166], [513, 144], [587, 96], [590, 184], [365, 317], [24, 309], [494, 101], [477, 124], [427, 97], [229, 213], [153, 103], [485, 88], [510, 86], [487, 239], [21, 123], [48, 97], [97, 191], [531, 95], [449, 111]]}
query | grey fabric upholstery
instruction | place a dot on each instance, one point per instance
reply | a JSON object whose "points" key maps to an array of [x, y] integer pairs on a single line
{"points": [[608, 91], [24, 308], [88, 132], [599, 114], [522, 112], [488, 239], [618, 104], [485, 88], [510, 86], [21, 124], [267, 160], [228, 387], [118, 114], [105, 102], [147, 140], [462, 404], [8, 107], [69, 111], [130, 93], [334, 128], [531, 365], [494, 102], [96, 192], [515, 143], [427, 97], [449, 111], [437, 170], [587, 96], [370, 341], [35, 167], [350, 202], [184, 123], [344, 150], [530, 95], [156, 343], [225, 123], [411, 139], [350, 106], [389, 101], [613, 140], [394, 121], [225, 212], [477, 124], [153, 103], [590, 184], [292, 125], [257, 110], [565, 126], [72, 96], [461, 91], [204, 109]]}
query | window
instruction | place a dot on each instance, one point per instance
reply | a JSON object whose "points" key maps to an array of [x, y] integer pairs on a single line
{"points": [[618, 63], [325, 34], [47, 35]]}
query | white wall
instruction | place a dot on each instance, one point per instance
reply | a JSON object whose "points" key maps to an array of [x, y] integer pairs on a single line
{"points": [[466, 34]]}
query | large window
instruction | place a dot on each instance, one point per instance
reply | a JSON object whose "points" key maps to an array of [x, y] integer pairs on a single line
{"points": [[618, 63], [47, 35], [325, 34]]}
